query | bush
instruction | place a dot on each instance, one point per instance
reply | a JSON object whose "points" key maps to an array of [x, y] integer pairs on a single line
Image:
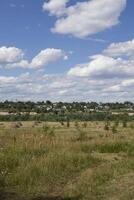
{"points": [[131, 126], [124, 124], [114, 129], [76, 124], [68, 123], [82, 135], [48, 131], [106, 127]]}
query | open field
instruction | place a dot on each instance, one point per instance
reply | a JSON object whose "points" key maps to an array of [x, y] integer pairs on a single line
{"points": [[76, 161]]}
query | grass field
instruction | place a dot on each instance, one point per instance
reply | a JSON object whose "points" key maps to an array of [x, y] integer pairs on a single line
{"points": [[50, 161]]}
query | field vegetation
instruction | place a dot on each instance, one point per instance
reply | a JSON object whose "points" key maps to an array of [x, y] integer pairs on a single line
{"points": [[66, 161]]}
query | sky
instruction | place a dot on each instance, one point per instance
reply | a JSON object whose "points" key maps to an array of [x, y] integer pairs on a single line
{"points": [[67, 50]]}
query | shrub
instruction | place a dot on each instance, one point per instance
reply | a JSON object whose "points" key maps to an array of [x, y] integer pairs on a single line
{"points": [[114, 129], [76, 124], [48, 131], [124, 124], [116, 123], [68, 123], [106, 127], [131, 126], [82, 135]]}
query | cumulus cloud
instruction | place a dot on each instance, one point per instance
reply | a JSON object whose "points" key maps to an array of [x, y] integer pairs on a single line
{"points": [[104, 66], [84, 18], [7, 80], [48, 56], [106, 77], [55, 7], [65, 88], [22, 64], [120, 49], [111, 63], [10, 54], [12, 57]]}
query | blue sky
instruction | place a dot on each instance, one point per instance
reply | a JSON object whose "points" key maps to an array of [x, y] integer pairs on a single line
{"points": [[67, 50]]}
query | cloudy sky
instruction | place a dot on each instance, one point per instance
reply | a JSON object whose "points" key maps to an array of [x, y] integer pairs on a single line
{"points": [[67, 50]]}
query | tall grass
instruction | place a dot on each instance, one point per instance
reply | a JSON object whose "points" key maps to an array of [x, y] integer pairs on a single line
{"points": [[50, 162], [36, 164]]}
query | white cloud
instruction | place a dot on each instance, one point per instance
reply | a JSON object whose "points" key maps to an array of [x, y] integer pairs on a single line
{"points": [[85, 18], [106, 77], [22, 64], [7, 80], [12, 57], [114, 88], [47, 56], [120, 49], [55, 7], [128, 83], [63, 88], [62, 92], [104, 65]]}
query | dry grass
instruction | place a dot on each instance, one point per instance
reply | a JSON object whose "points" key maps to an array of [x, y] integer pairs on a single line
{"points": [[51, 162]]}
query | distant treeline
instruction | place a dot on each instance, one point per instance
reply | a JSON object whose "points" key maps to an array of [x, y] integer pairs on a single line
{"points": [[62, 111], [57, 107]]}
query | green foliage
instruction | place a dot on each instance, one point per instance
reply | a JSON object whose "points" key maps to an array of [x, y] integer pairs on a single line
{"points": [[76, 124], [82, 135], [114, 129], [68, 123], [29, 172], [117, 148], [116, 123], [131, 126], [34, 162], [124, 124], [48, 131]]}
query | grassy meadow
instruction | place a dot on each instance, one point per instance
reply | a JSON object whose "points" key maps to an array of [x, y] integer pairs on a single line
{"points": [[60, 161]]}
